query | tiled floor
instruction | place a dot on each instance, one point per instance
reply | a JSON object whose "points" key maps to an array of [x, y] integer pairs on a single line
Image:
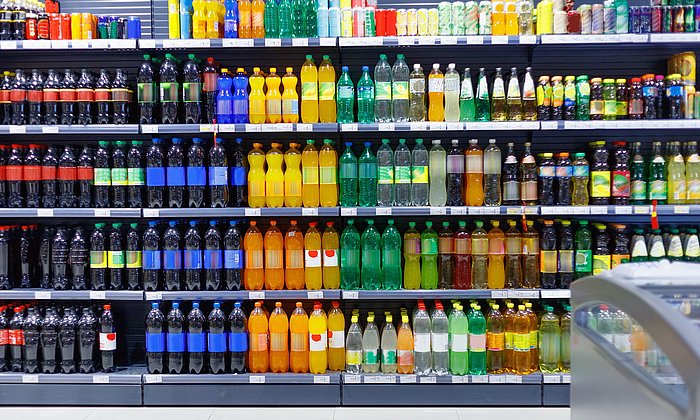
{"points": [[137, 413]]}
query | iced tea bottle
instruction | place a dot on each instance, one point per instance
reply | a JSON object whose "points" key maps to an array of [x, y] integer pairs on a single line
{"points": [[253, 274], [513, 264], [480, 251], [531, 257], [331, 247], [309, 175], [496, 273], [463, 258], [509, 329], [294, 261], [274, 257], [521, 342]]}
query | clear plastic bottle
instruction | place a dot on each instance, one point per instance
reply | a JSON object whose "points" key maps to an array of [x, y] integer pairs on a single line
{"points": [[370, 346], [367, 177], [417, 111], [439, 338], [438, 173], [382, 85], [467, 107], [455, 175], [385, 169], [474, 170], [529, 97], [480, 251], [419, 174], [402, 174], [353, 347], [421, 341], [429, 256], [388, 346], [400, 89], [365, 98], [498, 98], [452, 94], [483, 101], [492, 174]]}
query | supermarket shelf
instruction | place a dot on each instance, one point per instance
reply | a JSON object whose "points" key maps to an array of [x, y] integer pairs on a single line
{"points": [[72, 212], [44, 294], [237, 43], [620, 125], [245, 378], [437, 211], [131, 375], [441, 294], [238, 128], [388, 41], [441, 126], [383, 378], [244, 295], [95, 44], [556, 389], [243, 212], [71, 129]]}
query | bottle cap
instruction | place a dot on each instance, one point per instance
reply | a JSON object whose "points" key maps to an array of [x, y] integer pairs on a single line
{"points": [[495, 306], [344, 69], [326, 57], [309, 57], [582, 78], [311, 141], [289, 69], [385, 141], [224, 70], [419, 141], [195, 305], [451, 66], [402, 141], [608, 81], [620, 81], [436, 66], [521, 307], [240, 70], [273, 69], [428, 224], [400, 56], [382, 56], [416, 67], [446, 224], [365, 68], [154, 305], [330, 224], [436, 141], [570, 78], [256, 69]]}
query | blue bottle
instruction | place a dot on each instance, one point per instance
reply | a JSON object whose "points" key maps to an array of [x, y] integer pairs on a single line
{"points": [[155, 340], [231, 19], [151, 257], [155, 174], [193, 258], [175, 174], [240, 97], [224, 99], [213, 258], [172, 257], [186, 11]]}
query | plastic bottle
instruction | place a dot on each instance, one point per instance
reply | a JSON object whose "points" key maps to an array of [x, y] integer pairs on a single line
{"points": [[147, 97], [353, 348], [336, 338], [383, 79], [172, 257], [521, 342], [216, 340], [196, 173], [253, 275], [579, 194], [256, 177], [421, 341], [175, 322], [548, 255], [238, 339], [284, 19], [155, 174], [658, 184], [294, 250], [49, 181], [458, 341], [511, 184], [135, 174], [292, 176], [169, 90], [492, 176], [417, 84], [601, 250], [477, 341], [692, 174], [299, 340], [258, 357], [326, 91], [224, 101], [274, 177], [309, 91], [78, 258], [365, 98], [218, 175], [274, 258], [98, 258], [273, 97], [115, 258], [51, 98], [371, 269], [495, 341], [239, 97], [348, 177], [385, 169], [483, 101], [509, 330], [209, 88], [331, 248], [258, 9], [155, 339], [549, 342], [290, 98], [233, 257], [59, 258], [328, 177], [412, 257], [496, 271], [66, 340], [462, 257], [310, 175], [151, 257], [437, 171], [370, 346], [419, 174], [196, 337], [547, 175], [455, 175], [600, 175], [367, 177], [245, 19], [313, 273], [429, 257], [256, 98], [584, 255], [436, 94], [452, 94], [638, 176], [175, 174], [191, 90], [67, 175], [388, 345], [480, 249], [439, 338], [318, 341], [15, 173], [565, 248], [564, 172], [279, 333], [400, 89], [35, 98], [85, 96], [676, 176], [350, 257], [345, 97], [404, 347], [102, 96], [213, 259], [392, 275], [528, 177]]}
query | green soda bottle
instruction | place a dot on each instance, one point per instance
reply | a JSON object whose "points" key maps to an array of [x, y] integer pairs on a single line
{"points": [[638, 178], [365, 98], [639, 246], [345, 98], [459, 338], [477, 341], [391, 250], [658, 184], [583, 98], [483, 103], [411, 249], [348, 177], [467, 108], [350, 257], [549, 341], [429, 255], [272, 19], [284, 15], [371, 244], [368, 177], [584, 254]]}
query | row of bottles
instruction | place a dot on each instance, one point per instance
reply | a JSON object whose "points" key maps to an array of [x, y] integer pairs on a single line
{"points": [[57, 339]]}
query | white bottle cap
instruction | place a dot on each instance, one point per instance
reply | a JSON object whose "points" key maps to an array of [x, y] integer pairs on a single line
{"points": [[492, 141], [473, 141], [416, 66], [437, 141], [436, 66], [451, 66], [455, 141]]}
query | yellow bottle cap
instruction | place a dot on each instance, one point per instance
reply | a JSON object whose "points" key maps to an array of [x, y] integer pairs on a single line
{"points": [[240, 70], [353, 319], [495, 306], [289, 69], [521, 307], [389, 318], [256, 69], [273, 69], [404, 319], [224, 70]]}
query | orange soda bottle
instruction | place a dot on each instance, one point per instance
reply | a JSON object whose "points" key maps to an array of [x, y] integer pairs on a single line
{"points": [[404, 347], [331, 245], [257, 330], [258, 18], [273, 97], [313, 275], [436, 95], [256, 176], [294, 248], [318, 341], [253, 274], [336, 338], [256, 99], [274, 177], [274, 258], [299, 333], [292, 176], [474, 195], [279, 336], [309, 172], [328, 179], [244, 19]]}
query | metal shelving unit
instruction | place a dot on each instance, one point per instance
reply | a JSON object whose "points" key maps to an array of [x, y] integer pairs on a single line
{"points": [[71, 213], [99, 129], [245, 295], [93, 44], [444, 294], [243, 212], [49, 294]]}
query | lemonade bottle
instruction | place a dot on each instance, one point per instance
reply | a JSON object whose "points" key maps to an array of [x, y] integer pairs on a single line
{"points": [[274, 258], [244, 19], [253, 274], [309, 91], [256, 176], [257, 330], [436, 94], [274, 178], [404, 346], [199, 20], [292, 176], [173, 19], [299, 337], [318, 341], [336, 338], [328, 179], [290, 98], [257, 19], [330, 245], [273, 98], [256, 98], [497, 250], [326, 91], [294, 249], [411, 252], [521, 342], [279, 333], [212, 18], [309, 169], [312, 258]]}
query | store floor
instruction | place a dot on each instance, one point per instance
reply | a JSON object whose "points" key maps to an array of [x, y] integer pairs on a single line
{"points": [[136, 413]]}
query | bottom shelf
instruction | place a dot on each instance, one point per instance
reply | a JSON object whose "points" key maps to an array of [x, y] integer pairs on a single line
{"points": [[556, 395]]}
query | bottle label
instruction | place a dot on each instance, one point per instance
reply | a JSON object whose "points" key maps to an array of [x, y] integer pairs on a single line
{"points": [[459, 342], [610, 107], [639, 249], [463, 246], [155, 343], [216, 342], [191, 92], [622, 342], [693, 189], [402, 174], [134, 176], [528, 190], [638, 190], [436, 85], [233, 259], [238, 176], [196, 176], [675, 248], [417, 85], [274, 258], [196, 342], [218, 175], [98, 259], [621, 184], [193, 259], [48, 173], [600, 263], [455, 164], [330, 257], [151, 260], [475, 164], [175, 176], [678, 190], [300, 342], [169, 91], [657, 249], [369, 356], [566, 261], [548, 261], [452, 85], [547, 171], [68, 173], [533, 339], [544, 95], [103, 177], [509, 340], [23, 173], [309, 175], [511, 191], [84, 95], [495, 341], [290, 106], [419, 174], [581, 171], [175, 342], [692, 247], [386, 175], [327, 175], [399, 90], [309, 91], [411, 246], [439, 342], [382, 91], [237, 342], [584, 261], [348, 170], [326, 91], [115, 259], [278, 341], [319, 342], [570, 95], [295, 259], [258, 341], [133, 259], [353, 357], [50, 95], [254, 259], [155, 177], [336, 339], [368, 170], [557, 95], [405, 357], [172, 259], [657, 190], [121, 95], [346, 92], [312, 258], [477, 343], [388, 357], [421, 343], [230, 27], [564, 171], [429, 246], [85, 174], [212, 259], [600, 186], [617, 259], [4, 337], [146, 93]]}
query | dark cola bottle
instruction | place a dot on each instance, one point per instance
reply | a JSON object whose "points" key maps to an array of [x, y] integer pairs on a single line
{"points": [[35, 98], [16, 338], [59, 260], [136, 176], [133, 258], [85, 177], [87, 339], [118, 173], [32, 338], [193, 258], [169, 90], [175, 174], [176, 340], [238, 339], [67, 178], [4, 337], [5, 102], [79, 259], [192, 90], [52, 98], [45, 257], [18, 98], [98, 258], [31, 175], [146, 91], [196, 339], [26, 257], [6, 281], [455, 175], [50, 327], [69, 97], [67, 338], [209, 88], [115, 258], [196, 173], [218, 175], [217, 340], [155, 174], [121, 98], [108, 340], [49, 181], [103, 97], [3, 175], [239, 174], [103, 175], [172, 257], [85, 95], [14, 174], [213, 259], [151, 257], [155, 340], [233, 257]]}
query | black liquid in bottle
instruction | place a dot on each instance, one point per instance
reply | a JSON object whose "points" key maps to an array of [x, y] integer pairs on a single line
{"points": [[213, 259], [18, 98], [196, 339], [103, 97], [31, 327], [5, 103], [16, 338], [146, 91], [455, 175], [218, 175], [5, 281], [87, 337], [169, 90], [176, 340], [49, 181], [133, 258], [3, 169], [172, 257], [238, 339], [69, 97], [136, 175], [79, 259], [239, 174], [192, 90], [193, 258], [209, 88], [98, 258], [27, 260], [59, 260], [120, 98], [103, 175], [155, 174], [49, 341], [85, 95], [52, 98], [119, 175], [217, 340], [233, 257], [115, 258], [67, 337], [108, 340], [31, 174], [155, 340], [564, 173], [15, 176], [548, 244], [67, 178], [35, 98], [546, 180], [45, 257], [196, 173], [5, 343], [85, 177], [175, 174], [151, 257]]}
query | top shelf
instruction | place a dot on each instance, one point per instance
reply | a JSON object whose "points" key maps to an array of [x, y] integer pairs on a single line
{"points": [[389, 41]]}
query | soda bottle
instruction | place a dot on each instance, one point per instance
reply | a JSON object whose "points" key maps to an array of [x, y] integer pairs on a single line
{"points": [[326, 92], [49, 190], [513, 250], [353, 349], [85, 176], [117, 175], [565, 247], [132, 257], [231, 20], [583, 94], [5, 102], [102, 96], [175, 345], [657, 248], [285, 19], [495, 341], [318, 341], [213, 260], [601, 249], [548, 255], [155, 339], [531, 257], [676, 175], [85, 95], [452, 94], [370, 346], [3, 175], [238, 339], [600, 175], [196, 173], [311, 19], [371, 274], [558, 94], [477, 341], [483, 100], [196, 337], [496, 272], [492, 177], [462, 259], [193, 258], [59, 259], [273, 97], [169, 90], [151, 257], [480, 248], [529, 97], [436, 94], [274, 257], [400, 79], [437, 169], [218, 175], [279, 332], [87, 329], [233, 257], [388, 345], [30, 173], [521, 342], [67, 332], [514, 100], [18, 97], [155, 174], [419, 174], [638, 176], [621, 254], [564, 172], [621, 175], [455, 175], [549, 341], [511, 185], [383, 79], [385, 169], [348, 177], [365, 98], [458, 341], [78, 258], [691, 246], [544, 99], [547, 173], [115, 258], [658, 185], [421, 340], [328, 184], [98, 258], [391, 252], [350, 257], [146, 93], [528, 177], [584, 255], [253, 275], [209, 88], [16, 339], [429, 257], [692, 175], [223, 105], [439, 338], [290, 98], [446, 272], [67, 174], [579, 192], [256, 98], [26, 256], [565, 341], [272, 20], [309, 91], [216, 340], [35, 98], [258, 361], [467, 106], [331, 247], [368, 177], [345, 97], [299, 340], [191, 90], [404, 346], [416, 97], [239, 99], [294, 249], [172, 257], [310, 181], [274, 178], [239, 167], [412, 257], [638, 248], [570, 98], [257, 19]]}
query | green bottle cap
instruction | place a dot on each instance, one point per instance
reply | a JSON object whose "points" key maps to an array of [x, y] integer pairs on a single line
{"points": [[462, 223], [385, 141], [120, 143], [134, 225], [583, 222], [402, 141], [445, 224], [327, 141], [103, 143], [310, 141], [419, 141], [190, 56], [326, 57], [116, 225], [390, 221], [99, 225], [412, 224], [351, 221], [428, 224], [382, 56], [310, 57], [478, 223], [136, 142], [146, 57], [400, 56], [370, 221]]}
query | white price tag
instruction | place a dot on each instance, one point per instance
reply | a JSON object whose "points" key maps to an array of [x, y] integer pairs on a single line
{"points": [[49, 129], [383, 211], [497, 379], [207, 128], [80, 43], [151, 212], [273, 42], [499, 294], [407, 379], [154, 295], [458, 211], [380, 379], [250, 212], [282, 127], [530, 209], [18, 129], [326, 42], [475, 210], [42, 295], [305, 127], [438, 211], [514, 379], [623, 210], [418, 126], [351, 379], [237, 42], [448, 40], [351, 294], [300, 42], [480, 379], [309, 211], [227, 128], [256, 379], [681, 209], [153, 379], [256, 295], [528, 39], [147, 43], [103, 213], [549, 125], [348, 127], [426, 40], [581, 210], [97, 294], [348, 211], [551, 378], [59, 44], [253, 128], [386, 127], [406, 40], [30, 379], [641, 209], [99, 43], [566, 378], [149, 129], [556, 294], [499, 40], [460, 379], [475, 40], [438, 126], [315, 294], [44, 212], [599, 209], [100, 379], [455, 126], [8, 45], [373, 41], [491, 210], [514, 210], [428, 380], [40, 44], [322, 379]]}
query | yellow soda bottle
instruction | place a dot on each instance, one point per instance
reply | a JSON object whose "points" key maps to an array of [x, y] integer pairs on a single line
{"points": [[330, 244], [279, 336], [411, 252], [309, 170], [436, 94], [256, 99], [257, 19], [326, 91], [336, 338], [290, 98], [199, 20], [212, 17], [497, 250], [273, 98], [253, 274], [521, 342], [294, 249], [313, 274], [309, 91], [318, 341], [274, 257], [328, 180], [256, 177], [274, 177], [292, 176], [244, 19], [173, 19], [258, 356], [299, 337]]}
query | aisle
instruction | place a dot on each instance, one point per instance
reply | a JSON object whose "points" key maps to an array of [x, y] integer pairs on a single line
{"points": [[77, 413]]}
